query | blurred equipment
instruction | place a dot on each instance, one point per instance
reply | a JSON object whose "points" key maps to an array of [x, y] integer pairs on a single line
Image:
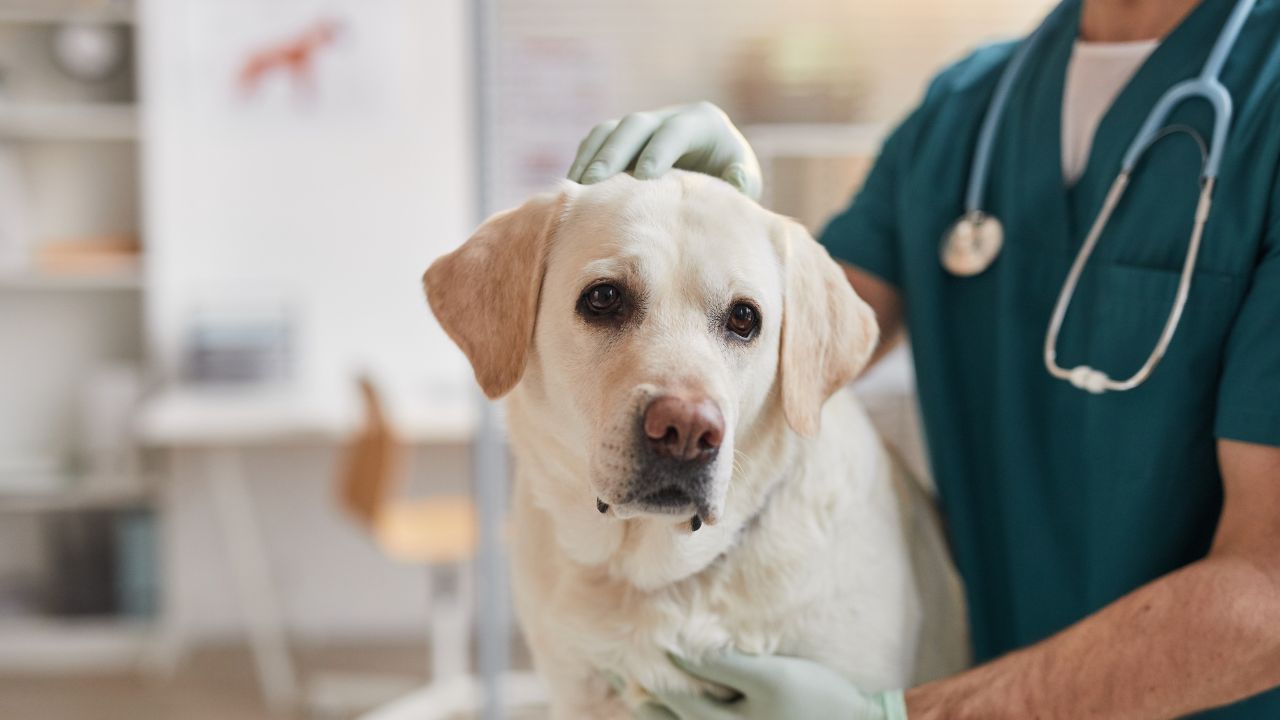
{"points": [[89, 51], [109, 449], [240, 343], [137, 583], [102, 564], [81, 553], [798, 75], [440, 533], [974, 241]]}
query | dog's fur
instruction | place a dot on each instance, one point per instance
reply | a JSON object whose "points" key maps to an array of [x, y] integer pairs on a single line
{"points": [[805, 551]]}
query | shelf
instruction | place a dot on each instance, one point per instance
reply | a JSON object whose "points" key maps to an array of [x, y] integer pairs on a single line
{"points": [[211, 417], [103, 281], [124, 280], [40, 484], [70, 500], [71, 121], [801, 140], [55, 645], [60, 11]]}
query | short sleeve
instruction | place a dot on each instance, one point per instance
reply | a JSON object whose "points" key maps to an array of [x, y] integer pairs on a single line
{"points": [[1249, 391], [865, 234]]}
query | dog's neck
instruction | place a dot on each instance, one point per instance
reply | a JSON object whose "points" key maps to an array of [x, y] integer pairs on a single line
{"points": [[647, 552]]}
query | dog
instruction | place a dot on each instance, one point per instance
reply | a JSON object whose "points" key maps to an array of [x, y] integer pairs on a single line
{"points": [[690, 476]]}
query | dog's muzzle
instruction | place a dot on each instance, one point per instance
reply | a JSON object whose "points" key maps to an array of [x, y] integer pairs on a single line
{"points": [[680, 436]]}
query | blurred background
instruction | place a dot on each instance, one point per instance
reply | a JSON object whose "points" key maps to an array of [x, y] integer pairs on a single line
{"points": [[213, 219]]}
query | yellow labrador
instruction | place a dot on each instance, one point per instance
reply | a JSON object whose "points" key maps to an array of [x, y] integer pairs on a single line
{"points": [[686, 481]]}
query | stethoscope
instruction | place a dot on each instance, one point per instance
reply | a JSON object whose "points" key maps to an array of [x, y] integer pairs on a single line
{"points": [[973, 242]]}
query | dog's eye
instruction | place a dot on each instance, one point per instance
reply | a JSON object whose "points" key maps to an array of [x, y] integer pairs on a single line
{"points": [[602, 299], [743, 320]]}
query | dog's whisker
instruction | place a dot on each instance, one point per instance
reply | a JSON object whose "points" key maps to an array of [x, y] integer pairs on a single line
{"points": [[741, 464]]}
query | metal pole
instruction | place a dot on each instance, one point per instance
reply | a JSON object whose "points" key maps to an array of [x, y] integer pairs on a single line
{"points": [[489, 461]]}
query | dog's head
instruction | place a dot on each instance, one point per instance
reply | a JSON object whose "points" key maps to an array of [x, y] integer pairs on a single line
{"points": [[660, 322]]}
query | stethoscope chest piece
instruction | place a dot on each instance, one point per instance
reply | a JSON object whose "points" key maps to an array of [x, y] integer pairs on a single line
{"points": [[972, 244]]}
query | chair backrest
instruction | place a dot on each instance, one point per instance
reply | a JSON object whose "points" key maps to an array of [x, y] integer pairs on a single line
{"points": [[372, 463]]}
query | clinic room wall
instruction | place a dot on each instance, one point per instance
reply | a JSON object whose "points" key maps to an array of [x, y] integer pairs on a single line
{"points": [[562, 65], [332, 213], [323, 205]]}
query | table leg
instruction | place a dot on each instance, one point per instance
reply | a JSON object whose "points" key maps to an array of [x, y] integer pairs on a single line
{"points": [[172, 642], [246, 555]]}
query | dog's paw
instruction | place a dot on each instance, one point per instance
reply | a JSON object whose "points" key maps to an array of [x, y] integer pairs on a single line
{"points": [[658, 676]]}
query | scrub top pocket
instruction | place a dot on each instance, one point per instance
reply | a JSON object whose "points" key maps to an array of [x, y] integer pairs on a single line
{"points": [[1128, 307]]}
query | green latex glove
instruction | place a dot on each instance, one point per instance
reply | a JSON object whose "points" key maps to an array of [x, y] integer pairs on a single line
{"points": [[774, 687], [698, 137]]}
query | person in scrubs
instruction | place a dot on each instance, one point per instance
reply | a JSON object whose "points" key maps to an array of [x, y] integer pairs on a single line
{"points": [[1120, 552]]}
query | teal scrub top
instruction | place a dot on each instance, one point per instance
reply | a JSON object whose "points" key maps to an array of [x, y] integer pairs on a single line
{"points": [[1057, 501]]}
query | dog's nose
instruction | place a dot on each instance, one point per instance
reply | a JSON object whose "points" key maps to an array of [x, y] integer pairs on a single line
{"points": [[684, 428]]}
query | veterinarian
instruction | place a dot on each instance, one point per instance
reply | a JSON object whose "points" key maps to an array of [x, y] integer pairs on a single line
{"points": [[1118, 530]]}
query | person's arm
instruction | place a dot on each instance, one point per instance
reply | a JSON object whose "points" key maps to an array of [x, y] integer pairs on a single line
{"points": [[885, 300], [1205, 635]]}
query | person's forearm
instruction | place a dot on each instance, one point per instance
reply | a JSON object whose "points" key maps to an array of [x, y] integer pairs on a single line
{"points": [[885, 300], [1203, 636]]}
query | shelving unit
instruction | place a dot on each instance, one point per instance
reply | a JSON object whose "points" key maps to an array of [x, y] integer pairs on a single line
{"points": [[71, 285], [69, 121], [73, 146], [58, 11], [31, 280], [73, 645], [72, 499]]}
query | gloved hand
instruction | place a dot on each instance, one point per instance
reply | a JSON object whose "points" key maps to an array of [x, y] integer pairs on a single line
{"points": [[774, 687], [698, 137]]}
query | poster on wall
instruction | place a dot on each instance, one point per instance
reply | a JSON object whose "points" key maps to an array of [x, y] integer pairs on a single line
{"points": [[550, 85], [329, 61]]}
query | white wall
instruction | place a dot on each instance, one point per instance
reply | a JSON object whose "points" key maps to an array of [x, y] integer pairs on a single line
{"points": [[336, 208], [333, 207], [568, 64]]}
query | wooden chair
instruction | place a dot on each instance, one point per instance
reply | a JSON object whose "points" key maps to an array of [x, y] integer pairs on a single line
{"points": [[440, 533], [433, 531]]}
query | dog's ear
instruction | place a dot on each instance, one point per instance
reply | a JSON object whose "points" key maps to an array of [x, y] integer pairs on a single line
{"points": [[828, 332], [485, 293]]}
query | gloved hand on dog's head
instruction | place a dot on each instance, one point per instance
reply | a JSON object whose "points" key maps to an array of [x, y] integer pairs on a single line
{"points": [[697, 137]]}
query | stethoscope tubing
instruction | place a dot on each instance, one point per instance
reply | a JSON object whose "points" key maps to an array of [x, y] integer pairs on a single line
{"points": [[1208, 86], [979, 169]]}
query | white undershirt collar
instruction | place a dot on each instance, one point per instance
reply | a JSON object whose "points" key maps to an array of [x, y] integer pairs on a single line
{"points": [[1096, 74]]}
